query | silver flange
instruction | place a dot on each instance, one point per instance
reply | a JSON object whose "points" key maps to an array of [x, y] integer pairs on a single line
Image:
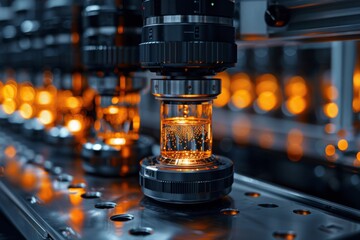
{"points": [[104, 160], [185, 88]]}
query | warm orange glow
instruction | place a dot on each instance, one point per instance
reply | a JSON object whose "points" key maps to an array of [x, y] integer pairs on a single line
{"points": [[74, 125], [26, 110], [296, 105], [116, 141], [294, 145], [125, 153], [44, 97], [330, 128], [330, 150], [330, 93], [9, 90], [241, 99], [331, 110], [225, 79], [241, 129], [115, 100], [356, 163], [75, 38], [356, 104], [241, 81], [13, 170], [46, 191], [120, 29], [343, 144], [73, 102], [113, 110], [295, 152], [358, 156], [27, 93], [1, 86], [75, 195], [9, 106], [267, 101], [356, 79], [46, 117], [136, 123], [77, 217], [295, 136], [266, 83], [356, 92], [296, 86], [77, 81], [28, 180], [10, 151], [266, 139], [223, 98]]}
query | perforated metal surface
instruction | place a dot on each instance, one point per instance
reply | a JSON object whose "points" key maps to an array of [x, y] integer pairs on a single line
{"points": [[53, 203]]}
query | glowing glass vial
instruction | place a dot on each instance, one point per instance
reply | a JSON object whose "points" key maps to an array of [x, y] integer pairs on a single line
{"points": [[186, 170], [186, 133], [118, 124]]}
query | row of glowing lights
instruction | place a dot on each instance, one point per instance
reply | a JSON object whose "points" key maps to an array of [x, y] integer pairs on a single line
{"points": [[239, 91], [39, 103], [265, 94], [295, 141], [47, 104]]}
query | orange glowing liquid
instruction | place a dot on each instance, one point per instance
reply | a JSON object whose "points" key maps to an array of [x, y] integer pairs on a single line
{"points": [[186, 139]]}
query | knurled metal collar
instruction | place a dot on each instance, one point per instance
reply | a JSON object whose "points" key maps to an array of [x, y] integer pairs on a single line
{"points": [[184, 89], [177, 185]]}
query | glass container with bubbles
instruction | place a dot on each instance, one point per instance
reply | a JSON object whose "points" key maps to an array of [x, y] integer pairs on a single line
{"points": [[186, 133]]}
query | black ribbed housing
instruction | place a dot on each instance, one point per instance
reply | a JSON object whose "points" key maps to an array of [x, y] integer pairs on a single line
{"points": [[218, 55], [112, 34], [186, 36], [170, 184]]}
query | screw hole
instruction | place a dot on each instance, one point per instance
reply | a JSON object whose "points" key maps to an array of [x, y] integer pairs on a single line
{"points": [[77, 186], [289, 235], [141, 231], [91, 195], [105, 205], [302, 212], [252, 194], [268, 205], [229, 211], [121, 217]]}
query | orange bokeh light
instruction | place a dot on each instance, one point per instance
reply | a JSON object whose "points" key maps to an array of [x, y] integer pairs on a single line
{"points": [[26, 110], [331, 110], [241, 99], [267, 101], [343, 144], [330, 150], [296, 105], [74, 125], [46, 117]]}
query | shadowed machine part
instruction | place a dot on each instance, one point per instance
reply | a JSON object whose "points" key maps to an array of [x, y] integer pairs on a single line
{"points": [[110, 51]]}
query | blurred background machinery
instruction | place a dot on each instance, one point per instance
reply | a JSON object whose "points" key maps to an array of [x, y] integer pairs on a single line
{"points": [[74, 104]]}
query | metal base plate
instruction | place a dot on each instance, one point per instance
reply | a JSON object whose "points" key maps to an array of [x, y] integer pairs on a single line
{"points": [[68, 204]]}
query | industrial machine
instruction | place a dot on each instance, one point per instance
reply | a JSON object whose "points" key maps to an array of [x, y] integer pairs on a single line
{"points": [[254, 109]]}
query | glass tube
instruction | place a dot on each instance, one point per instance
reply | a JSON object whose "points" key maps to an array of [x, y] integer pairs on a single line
{"points": [[119, 123], [186, 133]]}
